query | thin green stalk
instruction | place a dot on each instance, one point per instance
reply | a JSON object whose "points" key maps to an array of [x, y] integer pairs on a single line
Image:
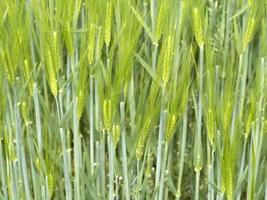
{"points": [[153, 12], [241, 169], [77, 152], [243, 84], [21, 153], [91, 124], [197, 185], [2, 172], [37, 118], [124, 155], [259, 115], [66, 167], [98, 143], [181, 168], [14, 181], [161, 186], [131, 100], [102, 165], [198, 144], [251, 174], [160, 142], [111, 166], [210, 174]]}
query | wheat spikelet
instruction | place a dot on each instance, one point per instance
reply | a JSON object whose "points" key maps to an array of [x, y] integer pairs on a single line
{"points": [[142, 140], [24, 112], [249, 124], [107, 114], [9, 72], [211, 126], [227, 177], [184, 102], [229, 183], [223, 177], [56, 51], [100, 39], [80, 102], [27, 74], [91, 45], [198, 27], [227, 117], [68, 40], [51, 74], [38, 165], [108, 22], [51, 184], [170, 127], [159, 25], [167, 60], [250, 30], [116, 134]]}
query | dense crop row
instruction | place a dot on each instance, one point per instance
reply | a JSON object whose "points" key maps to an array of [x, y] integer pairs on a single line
{"points": [[133, 99]]}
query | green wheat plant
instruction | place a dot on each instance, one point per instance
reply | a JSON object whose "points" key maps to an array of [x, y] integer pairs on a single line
{"points": [[133, 99]]}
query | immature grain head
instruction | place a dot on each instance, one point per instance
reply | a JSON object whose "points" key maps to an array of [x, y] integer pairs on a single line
{"points": [[250, 31], [227, 116], [198, 26], [51, 184], [160, 19], [107, 114], [167, 60], [91, 45], [27, 74], [108, 22], [24, 112], [249, 124], [211, 126], [142, 139], [171, 127], [52, 80], [80, 101], [8, 70], [68, 40], [116, 134], [56, 53]]}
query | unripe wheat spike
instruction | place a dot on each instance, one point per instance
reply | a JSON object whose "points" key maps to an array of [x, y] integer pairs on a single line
{"points": [[107, 114], [198, 27], [167, 60], [249, 34], [108, 22], [142, 139], [91, 45], [51, 74]]}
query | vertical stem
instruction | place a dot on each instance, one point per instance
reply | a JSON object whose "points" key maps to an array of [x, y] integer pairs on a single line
{"points": [[160, 141], [180, 176], [124, 155], [77, 151], [2, 172], [197, 185], [163, 171], [102, 165], [65, 165], [198, 143], [111, 166], [241, 169], [37, 118], [91, 124]]}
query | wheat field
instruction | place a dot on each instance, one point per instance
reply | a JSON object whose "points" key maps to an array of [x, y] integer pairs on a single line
{"points": [[133, 99]]}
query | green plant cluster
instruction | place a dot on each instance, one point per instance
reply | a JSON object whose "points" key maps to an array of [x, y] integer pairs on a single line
{"points": [[133, 99]]}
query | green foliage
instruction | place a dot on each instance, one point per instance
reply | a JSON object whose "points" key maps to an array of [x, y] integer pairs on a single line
{"points": [[154, 99]]}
